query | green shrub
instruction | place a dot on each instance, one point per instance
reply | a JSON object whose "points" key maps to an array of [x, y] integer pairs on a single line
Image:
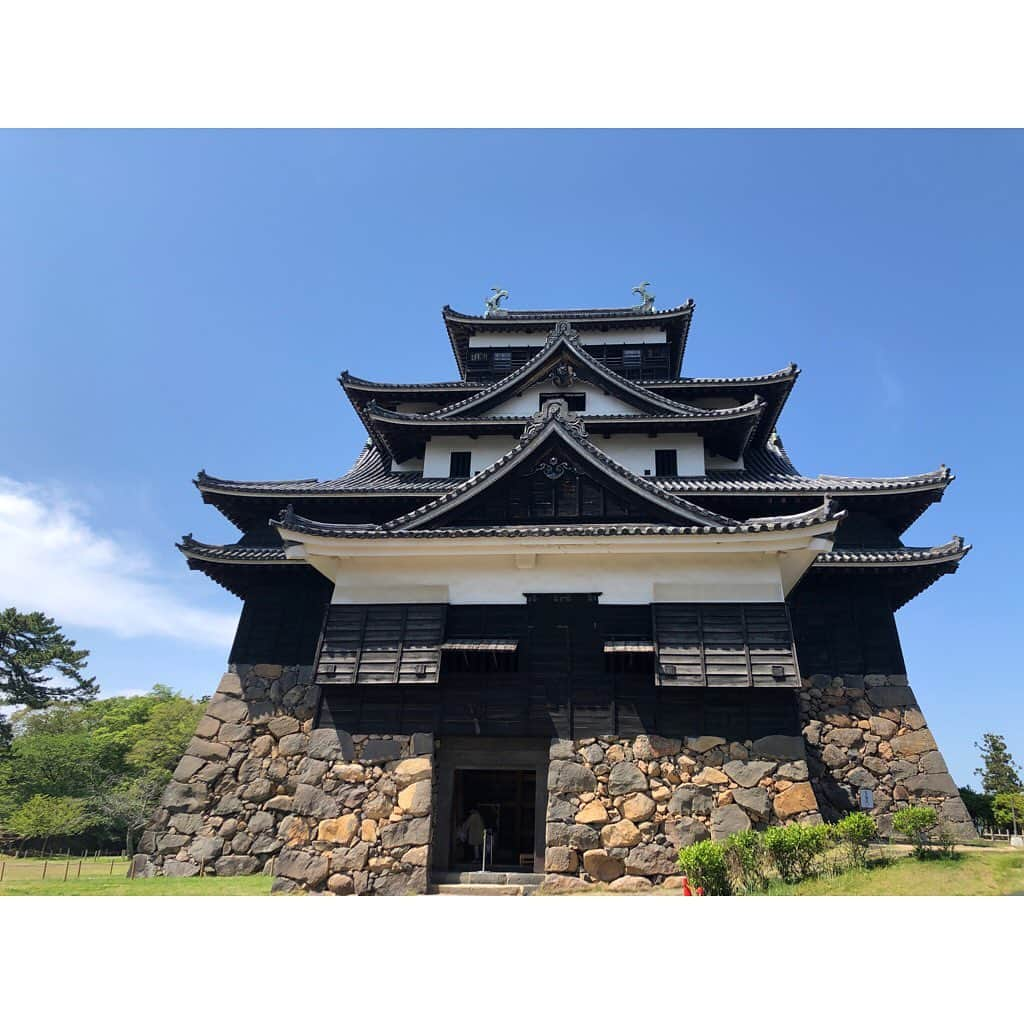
{"points": [[746, 860], [916, 823], [856, 832], [793, 849], [704, 863]]}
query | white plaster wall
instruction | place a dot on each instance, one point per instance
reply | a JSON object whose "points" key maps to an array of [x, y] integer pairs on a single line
{"points": [[527, 403], [409, 466], [485, 450], [636, 451], [490, 339], [495, 579]]}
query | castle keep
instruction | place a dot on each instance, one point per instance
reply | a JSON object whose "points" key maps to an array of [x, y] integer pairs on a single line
{"points": [[564, 614]]}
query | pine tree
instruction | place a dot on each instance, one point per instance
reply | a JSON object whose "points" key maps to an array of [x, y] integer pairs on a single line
{"points": [[30, 646], [999, 770]]}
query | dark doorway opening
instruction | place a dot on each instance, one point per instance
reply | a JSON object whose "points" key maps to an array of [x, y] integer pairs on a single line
{"points": [[505, 801]]}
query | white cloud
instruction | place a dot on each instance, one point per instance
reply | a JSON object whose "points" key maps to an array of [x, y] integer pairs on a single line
{"points": [[52, 560]]}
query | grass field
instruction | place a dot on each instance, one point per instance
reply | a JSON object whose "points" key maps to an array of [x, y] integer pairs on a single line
{"points": [[105, 876], [975, 873]]}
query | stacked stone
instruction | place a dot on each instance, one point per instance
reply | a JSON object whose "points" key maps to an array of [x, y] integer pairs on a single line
{"points": [[260, 790], [867, 732], [620, 809], [366, 828]]}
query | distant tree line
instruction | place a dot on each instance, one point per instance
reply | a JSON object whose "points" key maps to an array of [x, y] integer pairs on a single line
{"points": [[76, 770], [1001, 801]]}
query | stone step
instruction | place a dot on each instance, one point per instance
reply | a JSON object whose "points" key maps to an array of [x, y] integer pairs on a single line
{"points": [[487, 878], [469, 889]]}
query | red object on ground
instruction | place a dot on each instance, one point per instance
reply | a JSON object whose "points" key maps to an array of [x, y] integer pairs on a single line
{"points": [[686, 886], [700, 890]]}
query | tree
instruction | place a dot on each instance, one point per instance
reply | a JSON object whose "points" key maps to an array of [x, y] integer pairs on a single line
{"points": [[31, 645], [999, 770], [47, 817], [1009, 810], [979, 806], [128, 803]]}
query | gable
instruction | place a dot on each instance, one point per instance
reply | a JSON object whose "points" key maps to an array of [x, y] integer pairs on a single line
{"points": [[553, 484], [597, 400]]}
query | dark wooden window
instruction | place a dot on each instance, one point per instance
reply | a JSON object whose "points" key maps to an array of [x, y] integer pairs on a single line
{"points": [[665, 462], [501, 363], [459, 464], [575, 402], [381, 644], [632, 363], [724, 645]]}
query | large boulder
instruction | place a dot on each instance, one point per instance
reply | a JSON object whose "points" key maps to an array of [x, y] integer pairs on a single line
{"points": [[685, 832], [691, 800], [561, 859], [798, 799], [619, 834], [310, 868], [652, 860], [570, 777], [330, 745], [755, 801], [727, 820], [238, 865], [626, 778], [314, 802], [748, 773], [602, 867], [409, 832], [650, 748], [638, 807]]}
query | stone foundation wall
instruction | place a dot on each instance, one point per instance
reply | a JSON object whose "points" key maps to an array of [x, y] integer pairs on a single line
{"points": [[868, 732], [260, 790], [619, 809]]}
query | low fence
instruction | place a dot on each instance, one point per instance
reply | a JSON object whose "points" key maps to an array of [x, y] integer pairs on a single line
{"points": [[62, 869], [998, 835]]}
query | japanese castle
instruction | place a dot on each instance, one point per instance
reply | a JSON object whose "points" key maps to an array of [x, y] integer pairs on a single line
{"points": [[567, 612]]}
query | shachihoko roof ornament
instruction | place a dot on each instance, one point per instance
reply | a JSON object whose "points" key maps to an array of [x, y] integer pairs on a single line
{"points": [[493, 302], [646, 298]]}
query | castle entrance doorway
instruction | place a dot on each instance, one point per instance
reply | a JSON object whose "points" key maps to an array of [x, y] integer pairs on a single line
{"points": [[493, 820]]}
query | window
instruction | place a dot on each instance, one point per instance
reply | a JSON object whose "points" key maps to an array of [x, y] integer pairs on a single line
{"points": [[478, 355], [575, 402], [459, 465], [501, 362], [632, 361], [665, 463]]}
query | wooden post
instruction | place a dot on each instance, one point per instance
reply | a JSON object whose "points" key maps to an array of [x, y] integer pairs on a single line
{"points": [[3, 864], [79, 875], [202, 867], [45, 862], [67, 868], [111, 866]]}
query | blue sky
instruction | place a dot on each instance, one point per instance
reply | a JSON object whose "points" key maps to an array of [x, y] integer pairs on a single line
{"points": [[178, 300]]}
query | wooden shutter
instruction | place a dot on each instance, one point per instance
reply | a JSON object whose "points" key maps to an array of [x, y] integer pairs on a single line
{"points": [[382, 644], [724, 645]]}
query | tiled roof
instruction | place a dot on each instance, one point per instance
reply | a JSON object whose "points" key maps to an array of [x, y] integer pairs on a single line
{"points": [[558, 340], [687, 415], [820, 516], [855, 557], [192, 548], [551, 315], [767, 472]]}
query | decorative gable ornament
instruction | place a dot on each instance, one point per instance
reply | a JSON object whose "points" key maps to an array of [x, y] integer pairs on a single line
{"points": [[555, 409], [554, 468], [563, 375], [563, 331]]}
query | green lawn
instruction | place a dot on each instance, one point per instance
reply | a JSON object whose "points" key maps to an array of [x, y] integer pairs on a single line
{"points": [[105, 876], [975, 873]]}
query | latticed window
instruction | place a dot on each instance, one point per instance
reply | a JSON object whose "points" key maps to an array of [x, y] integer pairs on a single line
{"points": [[665, 462], [459, 464]]}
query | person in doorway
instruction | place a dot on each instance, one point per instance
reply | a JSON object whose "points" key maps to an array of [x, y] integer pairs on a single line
{"points": [[473, 830]]}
